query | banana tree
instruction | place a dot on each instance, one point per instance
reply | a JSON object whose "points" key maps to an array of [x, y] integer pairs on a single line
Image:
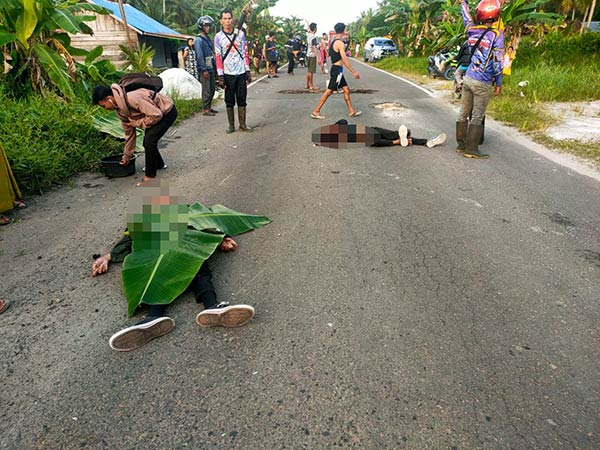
{"points": [[518, 14], [169, 247], [34, 37]]}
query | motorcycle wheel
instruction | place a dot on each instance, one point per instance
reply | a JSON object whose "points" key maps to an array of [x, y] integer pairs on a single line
{"points": [[449, 74]]}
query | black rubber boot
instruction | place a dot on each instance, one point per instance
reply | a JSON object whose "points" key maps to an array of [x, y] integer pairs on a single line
{"points": [[231, 119], [461, 135], [242, 117], [473, 138]]}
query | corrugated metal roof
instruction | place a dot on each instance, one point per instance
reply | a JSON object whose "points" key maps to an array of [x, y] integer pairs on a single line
{"points": [[138, 20]]}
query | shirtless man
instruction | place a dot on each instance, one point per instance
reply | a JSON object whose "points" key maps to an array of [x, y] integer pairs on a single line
{"points": [[337, 53]]}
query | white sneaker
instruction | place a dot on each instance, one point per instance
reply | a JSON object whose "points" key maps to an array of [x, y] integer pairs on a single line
{"points": [[226, 316], [403, 134], [140, 334], [438, 140]]}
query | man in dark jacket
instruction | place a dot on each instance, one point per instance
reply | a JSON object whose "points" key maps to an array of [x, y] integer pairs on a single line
{"points": [[205, 60]]}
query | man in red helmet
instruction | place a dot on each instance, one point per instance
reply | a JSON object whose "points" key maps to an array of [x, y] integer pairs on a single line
{"points": [[485, 71]]}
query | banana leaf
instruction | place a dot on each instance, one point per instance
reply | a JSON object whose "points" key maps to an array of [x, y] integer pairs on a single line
{"points": [[158, 274], [223, 219], [112, 125], [56, 68]]}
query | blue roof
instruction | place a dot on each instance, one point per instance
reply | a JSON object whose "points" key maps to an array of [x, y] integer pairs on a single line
{"points": [[138, 20]]}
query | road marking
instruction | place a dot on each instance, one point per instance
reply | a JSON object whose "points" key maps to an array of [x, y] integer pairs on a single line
{"points": [[567, 160], [421, 88]]}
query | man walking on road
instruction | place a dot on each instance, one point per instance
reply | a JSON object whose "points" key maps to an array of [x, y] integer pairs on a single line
{"points": [[233, 67], [205, 60], [337, 53], [487, 51]]}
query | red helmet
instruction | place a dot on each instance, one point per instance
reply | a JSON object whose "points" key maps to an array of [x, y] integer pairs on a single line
{"points": [[488, 11]]}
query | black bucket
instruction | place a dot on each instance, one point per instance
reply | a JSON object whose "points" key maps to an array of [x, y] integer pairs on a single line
{"points": [[112, 169]]}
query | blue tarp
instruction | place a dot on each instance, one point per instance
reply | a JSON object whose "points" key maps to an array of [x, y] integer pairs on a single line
{"points": [[138, 20]]}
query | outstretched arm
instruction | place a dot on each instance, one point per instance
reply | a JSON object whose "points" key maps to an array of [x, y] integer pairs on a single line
{"points": [[466, 15]]}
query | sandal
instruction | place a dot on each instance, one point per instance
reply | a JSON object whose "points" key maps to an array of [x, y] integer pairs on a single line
{"points": [[317, 116], [5, 220], [355, 114], [20, 204], [4, 305]]}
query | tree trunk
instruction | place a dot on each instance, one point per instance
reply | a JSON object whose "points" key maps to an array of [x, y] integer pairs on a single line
{"points": [[592, 10], [584, 20]]}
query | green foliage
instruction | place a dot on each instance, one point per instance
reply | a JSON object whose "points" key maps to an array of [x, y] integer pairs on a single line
{"points": [[33, 34], [560, 49], [422, 27], [187, 108], [47, 139], [139, 59], [108, 123], [415, 66], [162, 264], [95, 71]]}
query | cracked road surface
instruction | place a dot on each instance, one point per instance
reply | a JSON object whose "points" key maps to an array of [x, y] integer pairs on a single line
{"points": [[406, 298]]}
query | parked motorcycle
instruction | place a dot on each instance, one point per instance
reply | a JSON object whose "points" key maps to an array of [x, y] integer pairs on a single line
{"points": [[442, 64], [376, 55], [301, 59]]}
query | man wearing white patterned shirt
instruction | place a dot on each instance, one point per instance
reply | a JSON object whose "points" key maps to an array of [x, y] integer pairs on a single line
{"points": [[233, 68]]}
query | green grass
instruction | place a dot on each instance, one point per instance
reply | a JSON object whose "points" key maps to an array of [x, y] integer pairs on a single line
{"points": [[187, 108], [548, 81], [47, 140], [412, 67]]}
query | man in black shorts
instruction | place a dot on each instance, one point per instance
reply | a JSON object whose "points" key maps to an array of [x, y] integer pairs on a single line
{"points": [[337, 53]]}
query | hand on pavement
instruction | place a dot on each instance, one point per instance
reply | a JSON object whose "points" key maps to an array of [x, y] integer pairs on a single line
{"points": [[100, 265], [228, 244]]}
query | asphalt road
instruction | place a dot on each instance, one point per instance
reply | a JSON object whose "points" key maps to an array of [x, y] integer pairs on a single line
{"points": [[406, 298]]}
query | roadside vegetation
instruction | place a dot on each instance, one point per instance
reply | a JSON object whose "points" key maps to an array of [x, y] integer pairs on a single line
{"points": [[557, 59], [560, 69]]}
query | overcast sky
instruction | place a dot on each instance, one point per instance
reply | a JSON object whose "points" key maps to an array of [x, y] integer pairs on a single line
{"points": [[325, 13]]}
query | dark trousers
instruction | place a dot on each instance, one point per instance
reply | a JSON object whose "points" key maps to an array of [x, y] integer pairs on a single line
{"points": [[385, 138], [291, 62], [151, 137], [235, 90], [208, 90], [201, 286]]}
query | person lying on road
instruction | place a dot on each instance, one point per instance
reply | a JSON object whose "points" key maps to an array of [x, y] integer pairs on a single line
{"points": [[342, 133], [155, 243]]}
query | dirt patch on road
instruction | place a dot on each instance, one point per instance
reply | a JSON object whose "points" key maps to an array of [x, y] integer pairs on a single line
{"points": [[320, 91]]}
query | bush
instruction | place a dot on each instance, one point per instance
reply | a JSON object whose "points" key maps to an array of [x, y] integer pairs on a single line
{"points": [[558, 49], [48, 140]]}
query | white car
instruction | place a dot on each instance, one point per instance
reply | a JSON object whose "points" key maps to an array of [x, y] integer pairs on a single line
{"points": [[379, 47]]}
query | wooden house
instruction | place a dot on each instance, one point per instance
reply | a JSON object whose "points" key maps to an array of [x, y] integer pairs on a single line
{"points": [[110, 32]]}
